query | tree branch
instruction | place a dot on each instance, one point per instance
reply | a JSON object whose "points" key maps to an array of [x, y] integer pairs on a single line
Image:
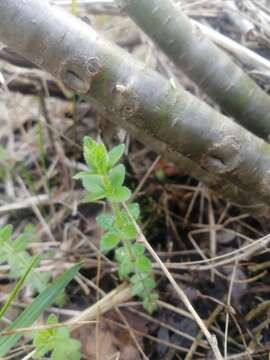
{"points": [[207, 65], [168, 119]]}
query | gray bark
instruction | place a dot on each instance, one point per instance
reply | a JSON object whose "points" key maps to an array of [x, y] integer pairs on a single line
{"points": [[210, 67], [212, 146]]}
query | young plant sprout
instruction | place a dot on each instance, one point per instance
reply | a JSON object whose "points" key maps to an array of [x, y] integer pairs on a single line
{"points": [[56, 341], [104, 179], [16, 255]]}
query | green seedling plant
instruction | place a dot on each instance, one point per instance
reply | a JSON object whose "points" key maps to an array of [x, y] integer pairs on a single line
{"points": [[104, 179], [57, 341]]}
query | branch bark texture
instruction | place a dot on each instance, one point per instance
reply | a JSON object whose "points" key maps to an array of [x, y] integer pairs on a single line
{"points": [[210, 67], [170, 120]]}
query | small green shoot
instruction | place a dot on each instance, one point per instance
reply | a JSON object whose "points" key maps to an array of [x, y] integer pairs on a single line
{"points": [[14, 252], [104, 179], [56, 341]]}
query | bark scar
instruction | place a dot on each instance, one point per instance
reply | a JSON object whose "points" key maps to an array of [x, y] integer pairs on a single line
{"points": [[222, 157], [125, 100], [78, 73]]}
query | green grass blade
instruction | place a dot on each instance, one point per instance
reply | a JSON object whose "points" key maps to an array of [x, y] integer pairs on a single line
{"points": [[36, 308], [17, 287]]}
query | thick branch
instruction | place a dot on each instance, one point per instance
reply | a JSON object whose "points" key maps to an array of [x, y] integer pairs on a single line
{"points": [[206, 64], [137, 98]]}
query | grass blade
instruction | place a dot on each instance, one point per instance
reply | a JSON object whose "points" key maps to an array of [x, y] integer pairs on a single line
{"points": [[17, 287]]}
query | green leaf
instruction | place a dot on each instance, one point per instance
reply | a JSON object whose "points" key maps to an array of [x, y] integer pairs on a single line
{"points": [[143, 264], [67, 349], [137, 289], [20, 244], [88, 142], [39, 281], [3, 257], [134, 209], [22, 241], [101, 158], [93, 183], [105, 221], [82, 174], [129, 232], [88, 152], [115, 154], [138, 249], [120, 254], [57, 341], [109, 241], [117, 175], [5, 233], [146, 278], [150, 302], [142, 285], [95, 155], [120, 194], [18, 263], [94, 196], [36, 308], [44, 340], [125, 268]]}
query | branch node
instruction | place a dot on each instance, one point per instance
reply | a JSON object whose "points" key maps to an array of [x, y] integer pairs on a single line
{"points": [[126, 101], [222, 157], [94, 66], [78, 73]]}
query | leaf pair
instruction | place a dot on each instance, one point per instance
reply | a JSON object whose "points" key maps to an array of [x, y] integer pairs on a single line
{"points": [[107, 221], [136, 262], [103, 179], [98, 159], [124, 230]]}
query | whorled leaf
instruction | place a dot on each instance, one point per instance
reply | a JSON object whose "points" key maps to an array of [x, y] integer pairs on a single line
{"points": [[115, 154], [105, 221], [120, 194], [117, 176], [109, 241], [143, 264], [93, 183]]}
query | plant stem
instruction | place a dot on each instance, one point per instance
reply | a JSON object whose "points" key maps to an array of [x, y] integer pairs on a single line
{"points": [[119, 223], [118, 218]]}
